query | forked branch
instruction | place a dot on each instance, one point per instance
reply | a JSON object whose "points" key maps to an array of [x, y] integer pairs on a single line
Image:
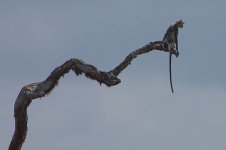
{"points": [[41, 89]]}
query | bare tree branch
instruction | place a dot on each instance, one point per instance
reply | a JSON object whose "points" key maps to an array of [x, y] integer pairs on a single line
{"points": [[41, 89]]}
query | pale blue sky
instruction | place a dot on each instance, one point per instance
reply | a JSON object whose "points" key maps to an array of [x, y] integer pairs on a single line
{"points": [[141, 112]]}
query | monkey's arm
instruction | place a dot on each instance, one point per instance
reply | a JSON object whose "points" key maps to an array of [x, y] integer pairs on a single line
{"points": [[176, 40]]}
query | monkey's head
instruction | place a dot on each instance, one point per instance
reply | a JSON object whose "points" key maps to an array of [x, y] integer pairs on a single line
{"points": [[179, 23]]}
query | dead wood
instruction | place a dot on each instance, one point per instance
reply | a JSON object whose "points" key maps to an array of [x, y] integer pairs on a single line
{"points": [[41, 89]]}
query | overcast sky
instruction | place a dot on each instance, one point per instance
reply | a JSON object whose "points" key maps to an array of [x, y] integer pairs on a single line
{"points": [[140, 113]]}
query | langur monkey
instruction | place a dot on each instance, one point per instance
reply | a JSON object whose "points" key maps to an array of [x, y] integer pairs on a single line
{"points": [[171, 39]]}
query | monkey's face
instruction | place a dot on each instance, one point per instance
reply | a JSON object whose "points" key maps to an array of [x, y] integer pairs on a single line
{"points": [[180, 23]]}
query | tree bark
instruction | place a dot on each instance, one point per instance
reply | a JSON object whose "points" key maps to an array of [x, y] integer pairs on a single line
{"points": [[41, 89]]}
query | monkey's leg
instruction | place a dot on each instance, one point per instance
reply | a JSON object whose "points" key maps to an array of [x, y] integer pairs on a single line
{"points": [[177, 53]]}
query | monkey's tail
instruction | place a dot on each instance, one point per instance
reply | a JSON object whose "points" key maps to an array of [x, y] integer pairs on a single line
{"points": [[170, 71]]}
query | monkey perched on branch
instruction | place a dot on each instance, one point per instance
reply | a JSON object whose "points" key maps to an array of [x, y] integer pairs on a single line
{"points": [[171, 39]]}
